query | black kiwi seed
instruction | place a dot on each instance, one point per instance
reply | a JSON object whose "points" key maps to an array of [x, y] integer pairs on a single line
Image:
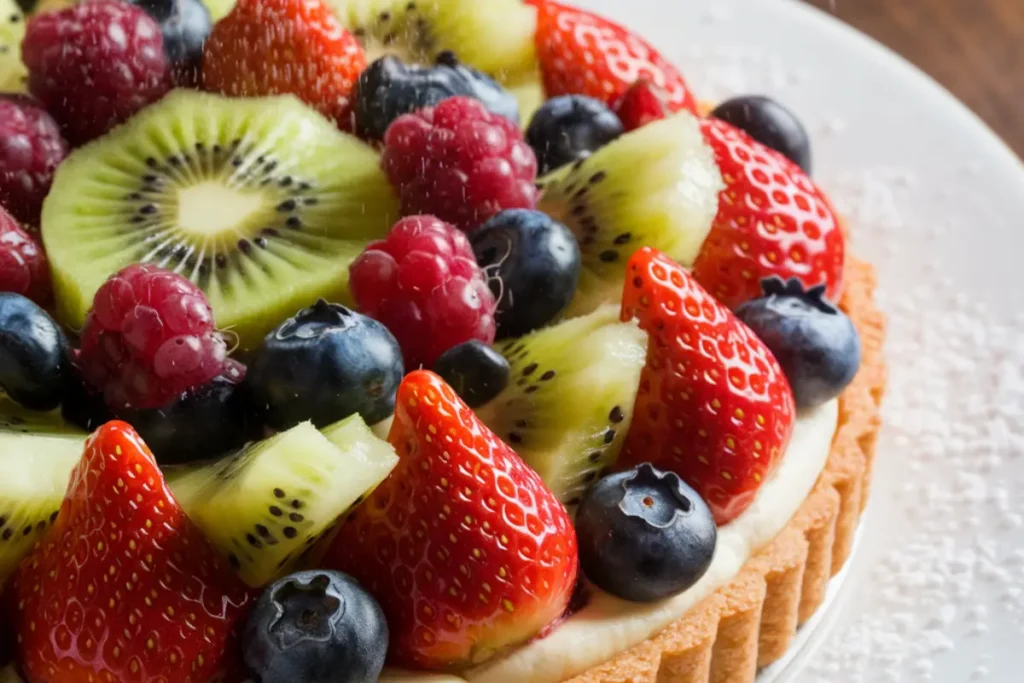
{"points": [[261, 242], [624, 238], [234, 562], [590, 477], [276, 511], [290, 532], [3, 521], [221, 260], [598, 177], [513, 437], [278, 493], [245, 246], [297, 504], [27, 530], [271, 232], [6, 535], [293, 222], [609, 256], [609, 436], [253, 541], [385, 16], [547, 376], [530, 389], [616, 415], [262, 530], [522, 424], [596, 456], [286, 206], [286, 181], [529, 369], [296, 517]]}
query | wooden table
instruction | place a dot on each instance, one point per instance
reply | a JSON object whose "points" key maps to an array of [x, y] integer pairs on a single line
{"points": [[975, 48]]}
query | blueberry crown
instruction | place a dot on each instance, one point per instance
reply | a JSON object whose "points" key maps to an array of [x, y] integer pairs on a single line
{"points": [[815, 296]]}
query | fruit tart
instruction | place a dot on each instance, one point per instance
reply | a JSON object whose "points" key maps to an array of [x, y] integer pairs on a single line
{"points": [[429, 341]]}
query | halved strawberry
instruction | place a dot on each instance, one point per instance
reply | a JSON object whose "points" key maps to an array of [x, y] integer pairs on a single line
{"points": [[714, 406], [463, 546], [582, 53], [772, 220], [276, 47], [123, 587]]}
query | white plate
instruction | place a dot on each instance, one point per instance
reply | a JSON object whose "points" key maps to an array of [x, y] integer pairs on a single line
{"points": [[936, 201]]}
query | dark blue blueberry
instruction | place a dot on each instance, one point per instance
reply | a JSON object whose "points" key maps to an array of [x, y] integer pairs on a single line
{"points": [[389, 88], [315, 627], [569, 128], [476, 371], [533, 265], [771, 124], [211, 420], [185, 24], [33, 354], [816, 344], [644, 535], [323, 365]]}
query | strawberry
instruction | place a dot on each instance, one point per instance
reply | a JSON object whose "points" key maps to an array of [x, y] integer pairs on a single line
{"points": [[582, 53], [123, 587], [463, 546], [772, 220], [640, 105], [274, 47], [714, 406]]}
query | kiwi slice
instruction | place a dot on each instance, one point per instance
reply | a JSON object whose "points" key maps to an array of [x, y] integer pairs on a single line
{"points": [[265, 505], [261, 202], [569, 402], [494, 36], [529, 93], [37, 453], [12, 30], [657, 187]]}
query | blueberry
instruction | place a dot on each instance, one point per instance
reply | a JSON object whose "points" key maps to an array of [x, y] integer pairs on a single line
{"points": [[185, 24], [533, 265], [477, 372], [323, 365], [816, 344], [569, 128], [644, 535], [389, 88], [315, 627], [34, 354], [771, 124]]}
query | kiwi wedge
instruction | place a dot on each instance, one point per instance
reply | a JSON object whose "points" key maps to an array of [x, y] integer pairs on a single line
{"points": [[12, 30], [494, 36], [569, 402], [37, 453], [265, 505], [261, 202], [657, 187]]}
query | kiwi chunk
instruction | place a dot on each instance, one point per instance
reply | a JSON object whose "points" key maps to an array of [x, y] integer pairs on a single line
{"points": [[267, 504], [37, 454], [261, 202], [569, 402], [656, 187], [495, 36], [12, 31]]}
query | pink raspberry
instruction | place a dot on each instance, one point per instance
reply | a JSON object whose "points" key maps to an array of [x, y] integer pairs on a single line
{"points": [[424, 284], [31, 148], [23, 266], [149, 338], [95, 64], [459, 162]]}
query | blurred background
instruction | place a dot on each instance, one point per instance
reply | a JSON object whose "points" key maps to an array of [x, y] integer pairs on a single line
{"points": [[975, 48]]}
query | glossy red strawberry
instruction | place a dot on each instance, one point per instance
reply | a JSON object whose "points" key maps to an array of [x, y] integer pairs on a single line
{"points": [[641, 104], [123, 587], [714, 406], [582, 53], [772, 220], [463, 545]]}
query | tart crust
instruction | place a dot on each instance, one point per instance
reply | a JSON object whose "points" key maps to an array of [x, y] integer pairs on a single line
{"points": [[750, 622]]}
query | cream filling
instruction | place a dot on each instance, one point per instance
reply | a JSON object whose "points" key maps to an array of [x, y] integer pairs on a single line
{"points": [[608, 626]]}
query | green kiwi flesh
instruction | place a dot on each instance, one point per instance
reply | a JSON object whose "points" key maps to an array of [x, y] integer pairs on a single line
{"points": [[261, 202], [529, 93], [264, 506], [569, 402], [494, 36], [12, 30], [37, 454], [657, 186]]}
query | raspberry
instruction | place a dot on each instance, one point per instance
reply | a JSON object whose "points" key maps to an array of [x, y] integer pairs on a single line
{"points": [[460, 162], [149, 338], [274, 47], [424, 284], [23, 266], [95, 64], [31, 148]]}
